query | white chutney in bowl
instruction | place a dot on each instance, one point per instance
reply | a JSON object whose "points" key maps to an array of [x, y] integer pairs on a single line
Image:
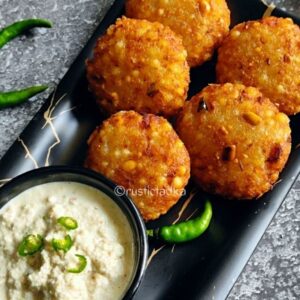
{"points": [[102, 242]]}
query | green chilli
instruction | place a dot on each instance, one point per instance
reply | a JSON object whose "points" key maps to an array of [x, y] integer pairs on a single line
{"points": [[17, 97], [82, 262], [10, 32], [68, 222], [30, 245], [184, 231], [62, 244]]}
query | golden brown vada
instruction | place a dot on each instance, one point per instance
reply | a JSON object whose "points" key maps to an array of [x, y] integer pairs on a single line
{"points": [[264, 54], [237, 139], [143, 154], [141, 66], [202, 24]]}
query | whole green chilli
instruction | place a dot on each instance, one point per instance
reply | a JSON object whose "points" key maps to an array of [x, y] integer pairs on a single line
{"points": [[184, 231], [10, 32], [13, 98], [17, 97]]}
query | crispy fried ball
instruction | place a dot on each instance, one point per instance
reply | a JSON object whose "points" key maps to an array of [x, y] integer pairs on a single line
{"points": [[264, 54], [237, 139], [142, 154], [141, 66], [201, 23]]}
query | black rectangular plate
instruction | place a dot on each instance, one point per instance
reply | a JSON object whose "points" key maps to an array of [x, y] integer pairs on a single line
{"points": [[203, 269]]}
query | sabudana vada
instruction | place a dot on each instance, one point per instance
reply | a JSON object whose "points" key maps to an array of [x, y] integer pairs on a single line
{"points": [[202, 24], [139, 65], [264, 54], [143, 154], [237, 139]]}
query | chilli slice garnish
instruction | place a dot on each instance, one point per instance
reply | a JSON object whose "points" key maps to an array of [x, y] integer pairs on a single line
{"points": [[62, 244], [82, 262], [30, 245], [68, 222]]}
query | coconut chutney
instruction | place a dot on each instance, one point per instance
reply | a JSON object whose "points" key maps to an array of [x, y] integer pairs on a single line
{"points": [[103, 236]]}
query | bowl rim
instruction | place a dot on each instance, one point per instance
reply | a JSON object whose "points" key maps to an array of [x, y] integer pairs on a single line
{"points": [[134, 216]]}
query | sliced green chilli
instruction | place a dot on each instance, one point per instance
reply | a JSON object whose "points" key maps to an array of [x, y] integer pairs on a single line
{"points": [[62, 244], [30, 245], [68, 222], [82, 262]]}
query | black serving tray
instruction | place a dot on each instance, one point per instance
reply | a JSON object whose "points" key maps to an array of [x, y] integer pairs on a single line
{"points": [[202, 269]]}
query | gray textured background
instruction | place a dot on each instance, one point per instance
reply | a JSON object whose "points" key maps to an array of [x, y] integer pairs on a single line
{"points": [[273, 271]]}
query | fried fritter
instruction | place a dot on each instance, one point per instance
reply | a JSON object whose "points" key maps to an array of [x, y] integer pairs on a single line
{"points": [[264, 54], [201, 23], [141, 66], [237, 139], [144, 155]]}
